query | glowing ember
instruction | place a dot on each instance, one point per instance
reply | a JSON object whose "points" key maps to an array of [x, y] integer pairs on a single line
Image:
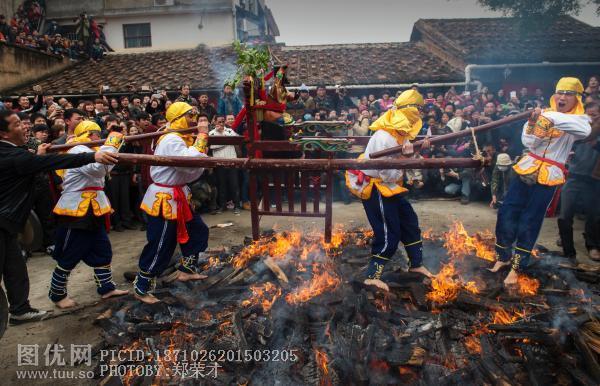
{"points": [[323, 365], [528, 286], [264, 294], [473, 344], [444, 288], [459, 244], [379, 365], [323, 280]]}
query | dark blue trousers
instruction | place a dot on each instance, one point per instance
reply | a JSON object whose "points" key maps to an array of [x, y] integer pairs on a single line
{"points": [[162, 240], [520, 218], [393, 221], [75, 245]]}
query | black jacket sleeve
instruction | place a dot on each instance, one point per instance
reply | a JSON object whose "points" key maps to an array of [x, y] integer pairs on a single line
{"points": [[28, 163]]}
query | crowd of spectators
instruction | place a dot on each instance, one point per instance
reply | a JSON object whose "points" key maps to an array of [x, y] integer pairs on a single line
{"points": [[50, 120], [24, 29]]}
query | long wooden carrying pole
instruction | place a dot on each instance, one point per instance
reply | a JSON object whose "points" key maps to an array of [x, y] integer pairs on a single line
{"points": [[128, 138], [299, 164], [452, 136]]}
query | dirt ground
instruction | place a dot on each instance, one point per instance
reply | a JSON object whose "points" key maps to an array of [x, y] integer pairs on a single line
{"points": [[77, 328]]}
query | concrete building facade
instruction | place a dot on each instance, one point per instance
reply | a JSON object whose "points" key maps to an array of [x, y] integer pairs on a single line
{"points": [[146, 25]]}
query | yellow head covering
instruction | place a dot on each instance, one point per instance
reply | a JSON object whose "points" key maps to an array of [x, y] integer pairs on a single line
{"points": [[83, 130], [175, 115], [404, 120], [82, 134], [570, 84]]}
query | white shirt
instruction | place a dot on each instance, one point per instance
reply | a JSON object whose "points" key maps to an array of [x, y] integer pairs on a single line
{"points": [[557, 146], [170, 145], [75, 198], [223, 151]]}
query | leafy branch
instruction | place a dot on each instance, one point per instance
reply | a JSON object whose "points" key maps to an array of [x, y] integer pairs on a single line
{"points": [[250, 62]]}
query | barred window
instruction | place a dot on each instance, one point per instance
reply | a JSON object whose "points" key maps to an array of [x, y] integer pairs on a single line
{"points": [[137, 35]]}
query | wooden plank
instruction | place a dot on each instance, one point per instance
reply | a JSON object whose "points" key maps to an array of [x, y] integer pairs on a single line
{"points": [[266, 192], [290, 177], [316, 184], [329, 206], [303, 190], [254, 219], [291, 214], [277, 188]]}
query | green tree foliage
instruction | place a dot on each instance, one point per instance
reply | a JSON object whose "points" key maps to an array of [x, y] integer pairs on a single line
{"points": [[537, 8]]}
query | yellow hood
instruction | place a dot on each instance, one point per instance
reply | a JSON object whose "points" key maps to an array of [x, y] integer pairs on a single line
{"points": [[570, 84], [175, 115], [83, 130], [404, 120]]}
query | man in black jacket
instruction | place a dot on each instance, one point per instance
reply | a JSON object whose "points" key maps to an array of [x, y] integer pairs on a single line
{"points": [[18, 167]]}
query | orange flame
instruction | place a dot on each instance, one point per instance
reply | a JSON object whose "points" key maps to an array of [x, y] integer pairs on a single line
{"points": [[264, 294], [445, 288], [528, 286], [323, 366], [324, 279], [502, 316], [459, 244], [276, 248]]}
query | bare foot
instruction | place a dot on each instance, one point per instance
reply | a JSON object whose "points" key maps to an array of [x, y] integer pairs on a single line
{"points": [[377, 283], [499, 265], [148, 298], [511, 279], [422, 270], [66, 303], [115, 292], [183, 276]]}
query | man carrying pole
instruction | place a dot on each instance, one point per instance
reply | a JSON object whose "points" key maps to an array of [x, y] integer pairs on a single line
{"points": [[549, 136], [391, 216], [83, 212], [171, 220]]}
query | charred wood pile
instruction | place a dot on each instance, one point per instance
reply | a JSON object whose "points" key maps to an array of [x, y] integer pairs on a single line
{"points": [[291, 309]]}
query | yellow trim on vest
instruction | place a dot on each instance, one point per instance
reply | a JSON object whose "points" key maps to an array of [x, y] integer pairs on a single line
{"points": [[87, 199], [161, 205]]}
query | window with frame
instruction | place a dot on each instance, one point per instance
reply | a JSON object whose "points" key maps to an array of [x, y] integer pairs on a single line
{"points": [[137, 35]]}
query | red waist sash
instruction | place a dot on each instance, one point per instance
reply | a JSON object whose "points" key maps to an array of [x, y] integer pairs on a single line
{"points": [[184, 212]]}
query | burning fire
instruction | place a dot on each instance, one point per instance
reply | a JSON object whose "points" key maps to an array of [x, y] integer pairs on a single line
{"points": [[445, 288], [277, 248], [528, 286], [264, 294], [459, 244], [324, 279], [502, 316], [323, 365]]}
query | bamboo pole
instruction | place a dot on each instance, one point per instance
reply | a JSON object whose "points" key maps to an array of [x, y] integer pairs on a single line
{"points": [[452, 136], [298, 164]]}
